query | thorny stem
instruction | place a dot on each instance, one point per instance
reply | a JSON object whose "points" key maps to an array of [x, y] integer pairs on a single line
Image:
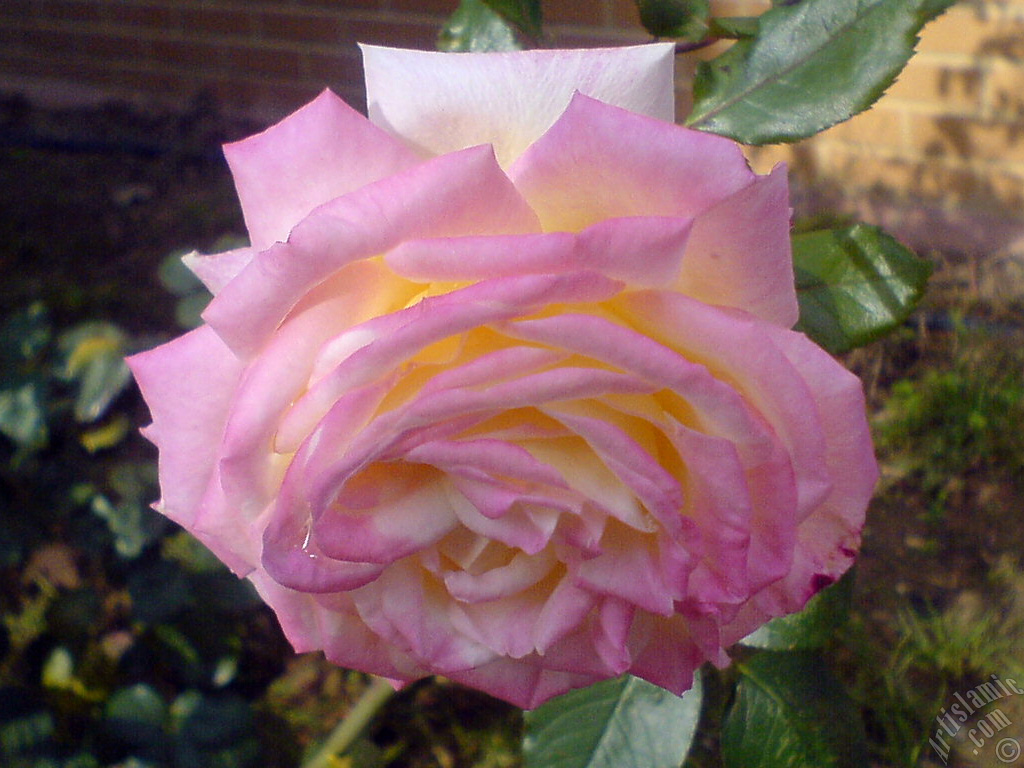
{"points": [[345, 732]]}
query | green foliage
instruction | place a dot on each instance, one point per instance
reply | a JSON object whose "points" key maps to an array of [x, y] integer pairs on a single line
{"points": [[686, 19], [904, 674], [621, 723], [813, 64], [40, 379], [946, 423], [790, 710], [93, 359], [812, 627], [24, 337], [524, 15], [130, 521], [192, 296], [734, 27], [476, 26], [118, 621], [952, 645], [854, 285], [22, 415]]}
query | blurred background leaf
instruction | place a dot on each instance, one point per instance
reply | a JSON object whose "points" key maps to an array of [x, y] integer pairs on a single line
{"points": [[685, 19], [524, 15], [93, 358], [192, 296], [476, 26]]}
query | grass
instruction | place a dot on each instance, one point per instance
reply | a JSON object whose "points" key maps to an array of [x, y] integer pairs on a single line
{"points": [[957, 419], [942, 607]]}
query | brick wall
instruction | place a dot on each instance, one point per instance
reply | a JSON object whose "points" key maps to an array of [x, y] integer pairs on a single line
{"points": [[940, 159], [264, 57]]}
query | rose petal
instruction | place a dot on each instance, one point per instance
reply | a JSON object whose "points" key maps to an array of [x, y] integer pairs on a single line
{"points": [[635, 468], [742, 351], [507, 99], [291, 555], [521, 682], [527, 528], [249, 472], [611, 632], [485, 459], [218, 269], [521, 573], [296, 611], [669, 655], [720, 504], [384, 344], [716, 406], [407, 608], [642, 250], [828, 539], [581, 171], [738, 254], [348, 642], [627, 569], [484, 258], [188, 384], [324, 150], [464, 193]]}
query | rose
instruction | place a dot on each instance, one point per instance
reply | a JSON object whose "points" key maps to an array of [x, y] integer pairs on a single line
{"points": [[504, 388]]}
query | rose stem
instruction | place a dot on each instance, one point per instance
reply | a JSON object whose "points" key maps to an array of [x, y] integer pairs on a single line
{"points": [[345, 732]]}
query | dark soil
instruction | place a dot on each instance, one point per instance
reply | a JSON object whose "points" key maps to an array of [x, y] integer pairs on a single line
{"points": [[93, 200]]}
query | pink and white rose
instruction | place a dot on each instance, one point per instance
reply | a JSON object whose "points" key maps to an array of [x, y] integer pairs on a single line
{"points": [[504, 388]]}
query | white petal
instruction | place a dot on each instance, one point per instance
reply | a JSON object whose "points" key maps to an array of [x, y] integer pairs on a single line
{"points": [[442, 102]]}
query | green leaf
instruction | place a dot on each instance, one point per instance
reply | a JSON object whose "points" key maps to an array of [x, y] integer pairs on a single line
{"points": [[620, 723], [219, 720], [813, 64], [188, 312], [23, 336], [192, 555], [476, 27], [59, 669], [812, 627], [218, 733], [791, 711], [734, 27], [159, 591], [854, 285], [23, 414], [137, 704], [24, 379], [136, 716], [23, 734], [687, 19], [106, 435], [94, 357], [180, 281], [523, 14], [130, 523], [176, 277]]}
